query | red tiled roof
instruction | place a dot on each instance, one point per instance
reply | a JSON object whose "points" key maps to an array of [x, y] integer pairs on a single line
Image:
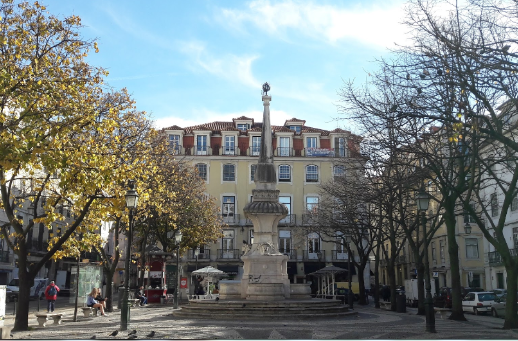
{"points": [[294, 120], [243, 118], [173, 127]]}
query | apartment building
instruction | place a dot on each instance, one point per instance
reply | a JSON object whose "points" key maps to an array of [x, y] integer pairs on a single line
{"points": [[225, 155]]}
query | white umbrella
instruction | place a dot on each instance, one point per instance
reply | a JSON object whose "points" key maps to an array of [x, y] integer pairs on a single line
{"points": [[208, 271]]}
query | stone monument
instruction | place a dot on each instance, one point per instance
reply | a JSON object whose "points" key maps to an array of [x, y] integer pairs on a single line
{"points": [[265, 274]]}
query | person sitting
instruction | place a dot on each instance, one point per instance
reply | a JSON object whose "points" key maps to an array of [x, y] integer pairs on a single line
{"points": [[93, 303], [141, 296], [99, 298]]}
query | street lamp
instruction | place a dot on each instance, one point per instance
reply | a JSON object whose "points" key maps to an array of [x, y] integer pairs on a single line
{"points": [[423, 200], [131, 204], [178, 239], [196, 254], [350, 295], [467, 228]]}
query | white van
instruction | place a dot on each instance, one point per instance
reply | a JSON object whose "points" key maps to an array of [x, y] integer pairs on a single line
{"points": [[37, 290]]}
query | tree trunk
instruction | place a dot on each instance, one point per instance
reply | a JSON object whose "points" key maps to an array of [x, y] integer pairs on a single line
{"points": [[511, 318], [22, 306], [109, 290], [453, 251], [361, 283], [392, 282]]}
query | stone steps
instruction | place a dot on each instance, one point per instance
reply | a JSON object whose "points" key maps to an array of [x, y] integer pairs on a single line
{"points": [[263, 310]]}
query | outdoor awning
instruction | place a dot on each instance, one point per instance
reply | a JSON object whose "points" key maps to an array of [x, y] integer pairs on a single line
{"points": [[228, 269], [292, 268], [345, 265], [310, 267]]}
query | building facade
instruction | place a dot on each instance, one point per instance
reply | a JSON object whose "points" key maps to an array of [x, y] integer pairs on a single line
{"points": [[225, 155]]}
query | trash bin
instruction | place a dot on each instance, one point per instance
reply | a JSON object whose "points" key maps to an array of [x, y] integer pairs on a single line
{"points": [[401, 303], [162, 299]]}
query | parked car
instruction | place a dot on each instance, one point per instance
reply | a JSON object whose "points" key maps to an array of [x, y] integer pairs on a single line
{"points": [[478, 302], [498, 308], [499, 292], [467, 290]]}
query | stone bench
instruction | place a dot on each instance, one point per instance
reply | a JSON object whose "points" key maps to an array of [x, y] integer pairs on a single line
{"points": [[443, 311], [134, 302], [44, 318], [88, 310]]}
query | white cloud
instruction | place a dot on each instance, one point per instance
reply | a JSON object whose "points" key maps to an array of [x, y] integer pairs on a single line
{"points": [[370, 24], [229, 66], [277, 117]]}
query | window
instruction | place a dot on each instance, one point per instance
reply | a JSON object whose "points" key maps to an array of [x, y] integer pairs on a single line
{"points": [[253, 168], [284, 173], [229, 205], [311, 142], [471, 248], [312, 204], [340, 248], [514, 203], [202, 170], [201, 145], [339, 147], [467, 217], [229, 173], [285, 242], [434, 254], [296, 129], [227, 244], [286, 201], [284, 149], [494, 205], [338, 171], [313, 245], [441, 251], [256, 145], [230, 145], [475, 281], [311, 173], [174, 143], [243, 126]]}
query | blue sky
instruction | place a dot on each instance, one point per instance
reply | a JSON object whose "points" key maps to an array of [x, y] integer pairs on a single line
{"points": [[190, 62]]}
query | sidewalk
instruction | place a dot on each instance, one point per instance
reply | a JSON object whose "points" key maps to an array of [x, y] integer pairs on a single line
{"points": [[370, 323]]}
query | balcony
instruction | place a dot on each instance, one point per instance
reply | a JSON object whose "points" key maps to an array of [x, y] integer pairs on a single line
{"points": [[231, 220], [292, 254], [230, 254], [289, 220], [284, 152], [254, 151], [313, 256], [495, 258], [340, 152], [230, 151], [339, 255], [4, 256], [198, 150], [309, 219], [205, 255], [175, 149]]}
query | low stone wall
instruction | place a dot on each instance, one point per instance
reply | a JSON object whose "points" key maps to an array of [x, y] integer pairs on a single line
{"points": [[265, 291], [300, 290], [229, 289]]}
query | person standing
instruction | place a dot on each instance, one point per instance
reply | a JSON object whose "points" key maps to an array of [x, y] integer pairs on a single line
{"points": [[51, 294]]}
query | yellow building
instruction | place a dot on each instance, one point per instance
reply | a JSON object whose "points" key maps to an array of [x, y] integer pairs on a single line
{"points": [[225, 155]]}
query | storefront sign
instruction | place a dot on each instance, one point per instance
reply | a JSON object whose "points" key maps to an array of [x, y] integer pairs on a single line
{"points": [[316, 152], [435, 274], [183, 283]]}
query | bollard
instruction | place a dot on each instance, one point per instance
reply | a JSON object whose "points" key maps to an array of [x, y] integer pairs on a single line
{"points": [[401, 303], [121, 294]]}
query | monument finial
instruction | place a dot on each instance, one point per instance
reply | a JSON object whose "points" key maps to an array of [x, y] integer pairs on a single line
{"points": [[266, 88]]}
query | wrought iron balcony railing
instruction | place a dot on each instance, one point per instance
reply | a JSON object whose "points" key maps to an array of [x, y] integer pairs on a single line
{"points": [[230, 254], [339, 255], [231, 219], [290, 253], [319, 256], [284, 151], [205, 255], [289, 220]]}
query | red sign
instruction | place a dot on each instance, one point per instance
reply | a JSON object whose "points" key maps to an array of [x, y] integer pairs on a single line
{"points": [[183, 283]]}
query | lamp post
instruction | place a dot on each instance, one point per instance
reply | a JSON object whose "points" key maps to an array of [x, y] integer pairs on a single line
{"points": [[423, 200], [350, 295], [467, 228], [131, 204], [178, 239], [196, 254]]}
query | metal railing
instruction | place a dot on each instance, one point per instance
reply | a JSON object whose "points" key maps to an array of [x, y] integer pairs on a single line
{"points": [[176, 149], [229, 151], [339, 254], [309, 219], [290, 253], [224, 254], [494, 257], [198, 150], [284, 151], [289, 220], [254, 151], [231, 219], [205, 255], [314, 256]]}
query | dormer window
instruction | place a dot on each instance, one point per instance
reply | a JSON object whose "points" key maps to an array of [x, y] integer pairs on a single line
{"points": [[243, 126], [296, 129]]}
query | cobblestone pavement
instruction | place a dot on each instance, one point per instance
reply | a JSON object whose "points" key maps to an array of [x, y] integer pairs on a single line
{"points": [[370, 323]]}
